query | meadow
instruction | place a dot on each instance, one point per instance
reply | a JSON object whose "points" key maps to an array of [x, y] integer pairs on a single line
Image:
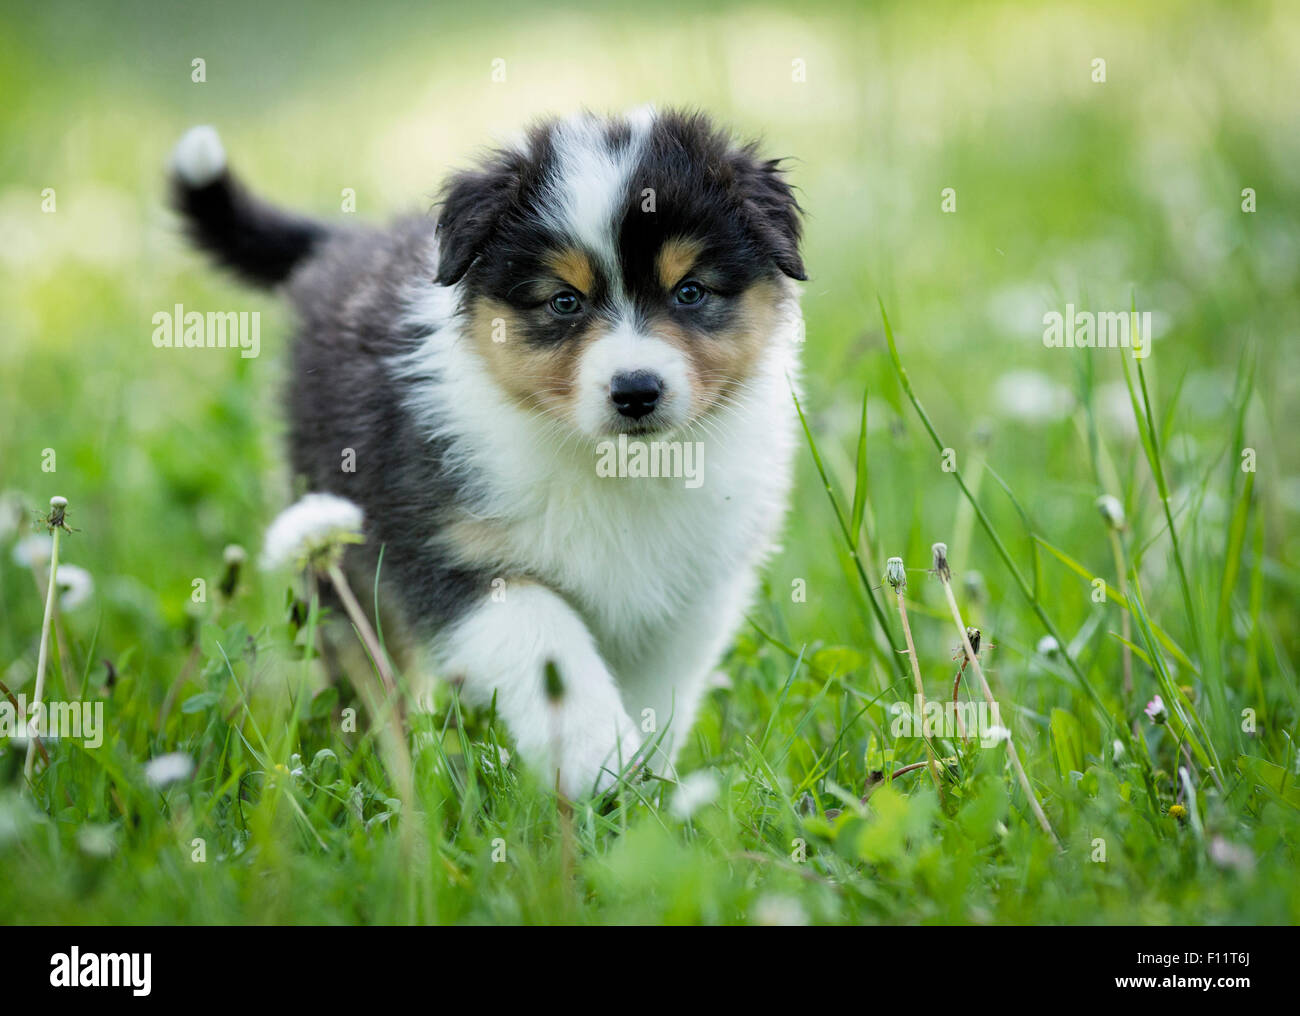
{"points": [[967, 170]]}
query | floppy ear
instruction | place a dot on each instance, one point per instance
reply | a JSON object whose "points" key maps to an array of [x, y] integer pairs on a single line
{"points": [[769, 202], [472, 204]]}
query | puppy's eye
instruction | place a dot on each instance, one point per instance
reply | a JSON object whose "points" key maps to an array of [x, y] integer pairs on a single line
{"points": [[689, 293], [565, 303]]}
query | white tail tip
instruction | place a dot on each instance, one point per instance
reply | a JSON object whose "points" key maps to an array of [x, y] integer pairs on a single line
{"points": [[199, 157]]}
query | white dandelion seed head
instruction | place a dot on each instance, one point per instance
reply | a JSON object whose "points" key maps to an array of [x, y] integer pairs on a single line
{"points": [[996, 735], [165, 770], [33, 551], [694, 792], [1048, 646], [316, 525], [76, 584], [234, 554]]}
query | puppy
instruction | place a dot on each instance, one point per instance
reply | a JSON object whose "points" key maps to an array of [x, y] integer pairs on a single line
{"points": [[564, 405]]}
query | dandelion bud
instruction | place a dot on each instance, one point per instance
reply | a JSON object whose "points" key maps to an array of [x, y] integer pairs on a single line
{"points": [[896, 574], [940, 552], [1111, 511]]}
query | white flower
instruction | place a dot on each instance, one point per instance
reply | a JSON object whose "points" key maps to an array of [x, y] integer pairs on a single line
{"points": [[780, 912], [995, 735], [77, 586], [1048, 646], [316, 524], [163, 771], [33, 551], [693, 793]]}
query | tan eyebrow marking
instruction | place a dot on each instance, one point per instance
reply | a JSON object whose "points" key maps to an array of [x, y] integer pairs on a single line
{"points": [[675, 259], [574, 267]]}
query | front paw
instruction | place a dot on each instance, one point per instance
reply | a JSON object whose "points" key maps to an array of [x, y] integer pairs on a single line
{"points": [[591, 756]]}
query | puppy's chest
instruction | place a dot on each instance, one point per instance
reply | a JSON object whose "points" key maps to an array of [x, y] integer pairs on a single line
{"points": [[641, 547], [634, 553]]}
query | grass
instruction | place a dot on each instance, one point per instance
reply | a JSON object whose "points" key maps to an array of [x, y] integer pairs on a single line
{"points": [[919, 429]]}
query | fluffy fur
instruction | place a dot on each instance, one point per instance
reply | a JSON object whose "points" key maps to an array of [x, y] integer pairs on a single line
{"points": [[601, 277]]}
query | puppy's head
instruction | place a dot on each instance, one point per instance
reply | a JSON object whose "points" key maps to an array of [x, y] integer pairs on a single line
{"points": [[624, 274]]}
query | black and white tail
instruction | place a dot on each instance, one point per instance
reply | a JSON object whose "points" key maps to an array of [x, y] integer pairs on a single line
{"points": [[260, 243]]}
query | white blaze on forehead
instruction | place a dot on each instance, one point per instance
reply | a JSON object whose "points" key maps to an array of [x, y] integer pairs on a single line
{"points": [[590, 184], [623, 351]]}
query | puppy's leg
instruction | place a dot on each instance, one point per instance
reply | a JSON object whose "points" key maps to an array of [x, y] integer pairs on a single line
{"points": [[666, 683], [503, 645]]}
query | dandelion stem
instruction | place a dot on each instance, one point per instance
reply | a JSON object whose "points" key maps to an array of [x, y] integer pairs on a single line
{"points": [[364, 628], [1125, 620], [988, 696], [920, 692], [392, 741], [43, 655], [956, 707]]}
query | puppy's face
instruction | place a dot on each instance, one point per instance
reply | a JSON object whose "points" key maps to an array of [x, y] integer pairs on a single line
{"points": [[622, 275]]}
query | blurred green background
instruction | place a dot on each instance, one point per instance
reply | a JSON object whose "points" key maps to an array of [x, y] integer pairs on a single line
{"points": [[1067, 190]]}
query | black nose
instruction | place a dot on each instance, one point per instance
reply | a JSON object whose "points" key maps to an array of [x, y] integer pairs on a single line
{"points": [[635, 393]]}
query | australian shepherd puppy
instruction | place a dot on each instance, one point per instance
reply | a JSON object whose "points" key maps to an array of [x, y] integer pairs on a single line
{"points": [[564, 405]]}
